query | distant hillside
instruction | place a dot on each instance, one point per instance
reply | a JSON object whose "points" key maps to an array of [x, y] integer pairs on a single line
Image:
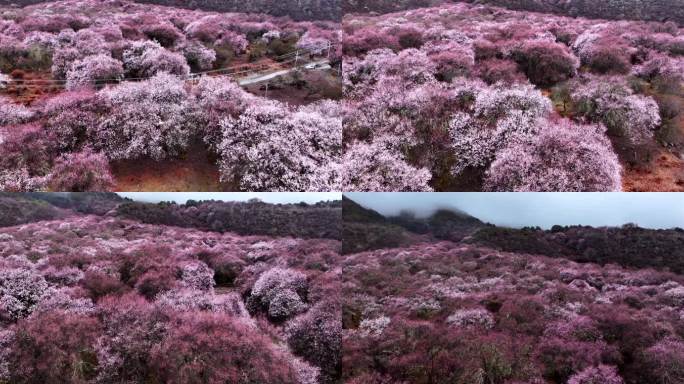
{"points": [[320, 220], [629, 245], [445, 224], [385, 6], [648, 10], [651, 10], [296, 9], [21, 208], [353, 212], [16, 209], [98, 203], [365, 229]]}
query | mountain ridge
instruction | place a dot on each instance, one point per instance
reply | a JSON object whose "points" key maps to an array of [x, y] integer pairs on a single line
{"points": [[366, 229], [628, 245]]}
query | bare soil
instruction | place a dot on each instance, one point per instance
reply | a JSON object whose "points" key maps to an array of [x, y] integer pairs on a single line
{"points": [[31, 86], [194, 172], [665, 175], [666, 172]]}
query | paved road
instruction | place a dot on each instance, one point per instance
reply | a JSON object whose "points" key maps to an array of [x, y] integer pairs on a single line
{"points": [[260, 78]]}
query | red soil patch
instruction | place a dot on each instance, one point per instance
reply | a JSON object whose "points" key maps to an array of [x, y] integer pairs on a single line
{"points": [[195, 172], [665, 175], [31, 86], [666, 172]]}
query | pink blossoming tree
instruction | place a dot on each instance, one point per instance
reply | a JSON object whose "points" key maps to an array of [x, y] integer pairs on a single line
{"points": [[562, 157]]}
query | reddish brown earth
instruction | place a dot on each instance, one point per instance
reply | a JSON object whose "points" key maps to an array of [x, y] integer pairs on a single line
{"points": [[31, 86], [665, 175], [196, 171], [666, 171]]}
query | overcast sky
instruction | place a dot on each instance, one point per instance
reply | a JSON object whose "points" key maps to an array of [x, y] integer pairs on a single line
{"points": [[269, 197], [649, 210]]}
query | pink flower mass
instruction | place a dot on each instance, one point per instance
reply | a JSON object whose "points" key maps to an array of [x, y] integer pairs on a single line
{"points": [[487, 76]]}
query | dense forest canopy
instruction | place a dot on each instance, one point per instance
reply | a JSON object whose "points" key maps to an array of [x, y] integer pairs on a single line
{"points": [[321, 220], [95, 91], [628, 245]]}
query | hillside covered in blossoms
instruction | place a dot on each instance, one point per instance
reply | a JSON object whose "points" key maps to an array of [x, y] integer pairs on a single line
{"points": [[296, 9], [651, 10], [434, 309], [469, 97], [117, 95], [98, 288], [91, 298]]}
